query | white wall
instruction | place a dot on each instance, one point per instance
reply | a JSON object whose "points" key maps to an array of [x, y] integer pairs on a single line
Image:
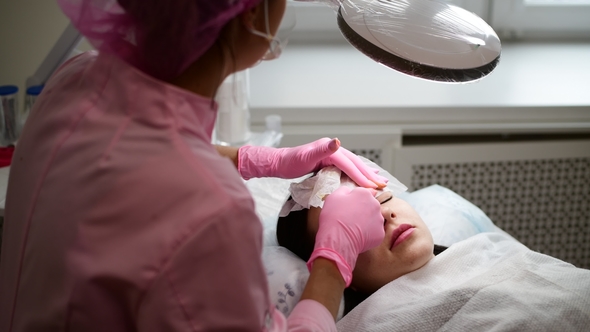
{"points": [[28, 30]]}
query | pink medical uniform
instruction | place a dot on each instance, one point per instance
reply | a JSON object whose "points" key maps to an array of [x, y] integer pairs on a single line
{"points": [[121, 216]]}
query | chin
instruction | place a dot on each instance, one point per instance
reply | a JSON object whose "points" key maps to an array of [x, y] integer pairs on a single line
{"points": [[413, 259], [415, 256], [424, 253]]}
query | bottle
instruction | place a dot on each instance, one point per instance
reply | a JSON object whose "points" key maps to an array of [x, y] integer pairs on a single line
{"points": [[232, 127], [272, 135], [274, 130], [8, 114]]}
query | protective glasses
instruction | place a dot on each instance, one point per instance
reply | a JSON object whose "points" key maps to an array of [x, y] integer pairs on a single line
{"points": [[279, 42]]}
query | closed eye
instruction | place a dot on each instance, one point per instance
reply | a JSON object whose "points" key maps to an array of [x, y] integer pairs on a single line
{"points": [[384, 197]]}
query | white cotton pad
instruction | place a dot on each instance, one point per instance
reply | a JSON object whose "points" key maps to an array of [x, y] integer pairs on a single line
{"points": [[313, 191]]}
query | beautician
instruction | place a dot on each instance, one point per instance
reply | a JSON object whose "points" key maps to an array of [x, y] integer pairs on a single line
{"points": [[121, 215]]}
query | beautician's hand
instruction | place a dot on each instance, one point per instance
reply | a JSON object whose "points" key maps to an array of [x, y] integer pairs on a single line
{"points": [[288, 163], [350, 223]]}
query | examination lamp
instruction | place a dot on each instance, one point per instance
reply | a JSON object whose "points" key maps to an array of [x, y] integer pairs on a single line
{"points": [[428, 39]]}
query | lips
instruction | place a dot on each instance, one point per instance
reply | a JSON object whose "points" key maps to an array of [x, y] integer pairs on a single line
{"points": [[400, 234]]}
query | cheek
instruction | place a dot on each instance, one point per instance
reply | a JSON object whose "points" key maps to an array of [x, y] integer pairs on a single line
{"points": [[373, 270], [276, 11]]}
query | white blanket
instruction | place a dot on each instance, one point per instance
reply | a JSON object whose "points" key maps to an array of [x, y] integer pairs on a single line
{"points": [[488, 282]]}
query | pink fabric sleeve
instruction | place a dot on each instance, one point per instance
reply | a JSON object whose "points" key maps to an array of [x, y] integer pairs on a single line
{"points": [[307, 316], [310, 315]]}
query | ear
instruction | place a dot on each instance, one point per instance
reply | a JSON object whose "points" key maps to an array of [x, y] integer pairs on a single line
{"points": [[249, 17]]}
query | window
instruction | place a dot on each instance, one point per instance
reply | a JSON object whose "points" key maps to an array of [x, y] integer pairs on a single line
{"points": [[541, 18], [511, 19]]}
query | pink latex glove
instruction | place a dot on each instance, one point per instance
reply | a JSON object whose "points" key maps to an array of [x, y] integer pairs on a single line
{"points": [[288, 163], [350, 223]]}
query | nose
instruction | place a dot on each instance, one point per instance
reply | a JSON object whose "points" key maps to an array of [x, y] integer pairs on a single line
{"points": [[388, 214]]}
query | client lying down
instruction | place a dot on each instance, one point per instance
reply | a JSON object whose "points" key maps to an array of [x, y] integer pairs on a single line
{"points": [[406, 247], [486, 281]]}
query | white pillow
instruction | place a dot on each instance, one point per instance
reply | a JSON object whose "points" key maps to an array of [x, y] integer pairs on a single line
{"points": [[287, 275], [450, 217]]}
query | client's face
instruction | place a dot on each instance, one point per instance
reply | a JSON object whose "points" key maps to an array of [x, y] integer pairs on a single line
{"points": [[407, 245]]}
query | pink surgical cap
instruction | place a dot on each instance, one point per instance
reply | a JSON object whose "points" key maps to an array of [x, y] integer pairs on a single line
{"points": [[160, 37]]}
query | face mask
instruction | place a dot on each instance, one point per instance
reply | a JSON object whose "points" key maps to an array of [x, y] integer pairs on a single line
{"points": [[275, 44]]}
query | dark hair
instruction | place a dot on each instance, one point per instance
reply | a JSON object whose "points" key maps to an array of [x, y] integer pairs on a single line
{"points": [[292, 234]]}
